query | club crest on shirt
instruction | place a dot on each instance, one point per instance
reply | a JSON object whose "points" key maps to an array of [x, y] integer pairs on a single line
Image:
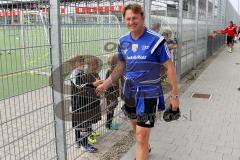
{"points": [[134, 47]]}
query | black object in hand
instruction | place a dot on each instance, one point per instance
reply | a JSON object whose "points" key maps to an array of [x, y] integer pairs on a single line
{"points": [[170, 115]]}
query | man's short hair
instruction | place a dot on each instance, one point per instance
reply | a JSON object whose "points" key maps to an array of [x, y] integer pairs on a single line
{"points": [[136, 8]]}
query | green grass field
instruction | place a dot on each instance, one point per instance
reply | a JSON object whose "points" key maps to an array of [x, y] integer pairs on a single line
{"points": [[19, 62]]}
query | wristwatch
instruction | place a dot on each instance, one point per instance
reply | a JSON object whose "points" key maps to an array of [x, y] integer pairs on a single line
{"points": [[174, 96]]}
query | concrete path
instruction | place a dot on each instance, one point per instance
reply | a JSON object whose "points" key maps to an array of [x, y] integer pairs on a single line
{"points": [[209, 129]]}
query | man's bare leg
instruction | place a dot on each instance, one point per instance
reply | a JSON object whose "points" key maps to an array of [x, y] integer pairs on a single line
{"points": [[142, 139]]}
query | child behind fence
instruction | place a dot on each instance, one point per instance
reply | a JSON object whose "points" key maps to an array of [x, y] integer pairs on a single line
{"points": [[112, 95], [85, 103]]}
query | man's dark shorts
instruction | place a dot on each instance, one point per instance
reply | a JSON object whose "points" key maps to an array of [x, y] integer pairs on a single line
{"points": [[229, 39], [147, 119]]}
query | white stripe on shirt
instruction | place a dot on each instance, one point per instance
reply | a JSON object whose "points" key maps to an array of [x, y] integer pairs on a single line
{"points": [[154, 33], [167, 50], [157, 44]]}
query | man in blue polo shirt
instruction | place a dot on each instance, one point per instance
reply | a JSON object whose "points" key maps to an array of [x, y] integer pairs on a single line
{"points": [[140, 54]]}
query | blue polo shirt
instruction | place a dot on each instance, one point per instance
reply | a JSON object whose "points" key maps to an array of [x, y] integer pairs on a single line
{"points": [[149, 47], [143, 57]]}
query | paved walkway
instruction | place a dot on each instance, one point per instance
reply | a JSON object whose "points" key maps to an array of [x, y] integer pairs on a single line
{"points": [[208, 129]]}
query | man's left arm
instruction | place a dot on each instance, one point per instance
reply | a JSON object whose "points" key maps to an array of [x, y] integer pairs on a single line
{"points": [[172, 79]]}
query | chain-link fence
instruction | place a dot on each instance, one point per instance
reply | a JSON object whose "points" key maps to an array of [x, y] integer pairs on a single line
{"points": [[51, 50], [26, 106]]}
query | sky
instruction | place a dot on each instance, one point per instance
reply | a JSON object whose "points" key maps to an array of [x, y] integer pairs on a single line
{"points": [[235, 4]]}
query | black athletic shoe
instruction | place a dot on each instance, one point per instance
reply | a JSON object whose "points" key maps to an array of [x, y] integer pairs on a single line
{"points": [[170, 115], [149, 149]]}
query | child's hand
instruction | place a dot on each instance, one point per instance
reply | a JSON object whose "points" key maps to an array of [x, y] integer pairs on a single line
{"points": [[98, 82], [101, 89]]}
